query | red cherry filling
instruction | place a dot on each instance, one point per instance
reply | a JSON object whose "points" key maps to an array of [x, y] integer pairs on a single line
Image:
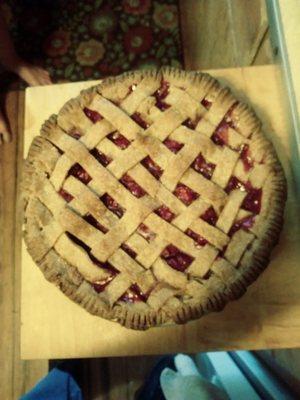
{"points": [[65, 195], [252, 201], [146, 233], [162, 91], [234, 183], [94, 116], [165, 213], [245, 223], [99, 286], [191, 123], [200, 241], [101, 157], [133, 295], [173, 145], [246, 158], [119, 140], [152, 167], [162, 105], [128, 250], [203, 167], [185, 194], [79, 173], [75, 134], [132, 186], [220, 135], [91, 220], [176, 258], [206, 103], [228, 116], [161, 94], [112, 205], [139, 120], [210, 216]]}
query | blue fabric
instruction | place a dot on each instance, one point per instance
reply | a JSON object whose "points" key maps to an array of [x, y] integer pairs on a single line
{"points": [[57, 385]]}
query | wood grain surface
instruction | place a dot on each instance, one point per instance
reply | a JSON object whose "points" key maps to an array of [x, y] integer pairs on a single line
{"points": [[224, 33], [268, 316], [16, 376]]}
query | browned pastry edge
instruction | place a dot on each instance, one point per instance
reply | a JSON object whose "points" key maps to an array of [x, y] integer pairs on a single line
{"points": [[76, 288]]}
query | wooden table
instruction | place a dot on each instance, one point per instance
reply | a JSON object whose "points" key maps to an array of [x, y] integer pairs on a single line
{"points": [[268, 316], [16, 376]]}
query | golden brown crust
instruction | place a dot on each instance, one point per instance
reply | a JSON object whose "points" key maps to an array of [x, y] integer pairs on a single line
{"points": [[226, 283]]}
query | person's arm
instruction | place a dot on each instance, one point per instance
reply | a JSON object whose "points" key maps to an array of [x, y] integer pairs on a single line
{"points": [[10, 60], [31, 74], [8, 56]]}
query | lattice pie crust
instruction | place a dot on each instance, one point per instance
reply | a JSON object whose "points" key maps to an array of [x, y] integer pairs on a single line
{"points": [[153, 198]]}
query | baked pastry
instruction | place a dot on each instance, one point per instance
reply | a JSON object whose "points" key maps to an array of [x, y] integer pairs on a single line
{"points": [[153, 198]]}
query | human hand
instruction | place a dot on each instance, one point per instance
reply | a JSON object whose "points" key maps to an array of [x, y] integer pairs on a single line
{"points": [[4, 130], [187, 383], [32, 74]]}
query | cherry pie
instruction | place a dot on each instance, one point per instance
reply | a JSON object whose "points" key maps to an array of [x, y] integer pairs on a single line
{"points": [[153, 198]]}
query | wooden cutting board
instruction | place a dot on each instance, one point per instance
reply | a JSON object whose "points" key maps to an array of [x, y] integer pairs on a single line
{"points": [[268, 315]]}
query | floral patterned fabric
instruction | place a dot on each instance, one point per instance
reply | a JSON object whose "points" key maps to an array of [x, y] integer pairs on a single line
{"points": [[89, 39]]}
